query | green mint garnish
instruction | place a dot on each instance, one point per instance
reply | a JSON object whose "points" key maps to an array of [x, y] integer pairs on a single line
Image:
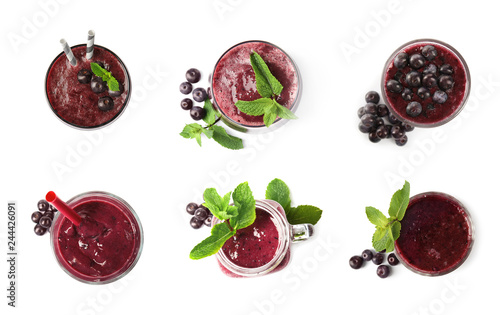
{"points": [[212, 131], [278, 191], [269, 88], [387, 230], [235, 217], [106, 76]]}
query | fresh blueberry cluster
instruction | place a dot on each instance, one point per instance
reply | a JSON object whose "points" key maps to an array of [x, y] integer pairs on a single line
{"points": [[419, 78], [98, 86], [383, 271], [201, 215], [199, 94], [43, 217], [379, 123]]}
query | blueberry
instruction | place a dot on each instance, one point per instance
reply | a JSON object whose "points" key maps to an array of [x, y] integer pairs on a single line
{"points": [[191, 207], [378, 258], [417, 61], [209, 93], [368, 120], [372, 97], [446, 69], [445, 82], [429, 52], [367, 254], [439, 97], [371, 108], [208, 221], [413, 79], [197, 112], [84, 76], [394, 86], [193, 75], [365, 129], [388, 129], [407, 127], [383, 271], [382, 132], [407, 94], [187, 104], [397, 131], [185, 87], [199, 95], [97, 85], [43, 205], [45, 222], [430, 68], [372, 136], [398, 76], [116, 93], [356, 262], [382, 110], [40, 230], [423, 93], [379, 121], [401, 60], [35, 216], [429, 80], [105, 103], [49, 214], [392, 259], [196, 223], [413, 109], [361, 111], [393, 119], [201, 214], [401, 141]]}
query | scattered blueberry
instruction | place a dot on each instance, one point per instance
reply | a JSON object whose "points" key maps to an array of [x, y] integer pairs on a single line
{"points": [[35, 216], [368, 120], [383, 271], [382, 110], [364, 129], [208, 221], [199, 95], [401, 141], [191, 208], [378, 258], [186, 87], [382, 132], [40, 230], [84, 76], [201, 214], [196, 223], [45, 222], [397, 131], [367, 255], [356, 262], [392, 259], [193, 75], [393, 119], [197, 113], [372, 97], [371, 108], [187, 104], [407, 127], [43, 205], [372, 136], [361, 111]]}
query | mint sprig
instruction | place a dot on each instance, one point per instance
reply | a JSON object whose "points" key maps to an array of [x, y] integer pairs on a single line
{"points": [[235, 217], [278, 191], [387, 229], [269, 88], [211, 130], [106, 76]]}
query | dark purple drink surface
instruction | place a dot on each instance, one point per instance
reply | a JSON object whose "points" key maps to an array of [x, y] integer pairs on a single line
{"points": [[436, 234], [433, 113], [75, 102], [234, 79], [105, 244]]}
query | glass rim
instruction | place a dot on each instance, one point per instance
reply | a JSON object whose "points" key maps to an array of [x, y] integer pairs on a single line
{"points": [[284, 243], [471, 235], [131, 215], [253, 128], [125, 104], [466, 91]]}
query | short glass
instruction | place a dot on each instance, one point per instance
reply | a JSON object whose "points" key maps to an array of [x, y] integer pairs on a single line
{"points": [[456, 216], [80, 111], [288, 234], [136, 237], [233, 75], [441, 113]]}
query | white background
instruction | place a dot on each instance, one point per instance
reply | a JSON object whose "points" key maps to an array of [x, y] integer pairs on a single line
{"points": [[322, 156]]}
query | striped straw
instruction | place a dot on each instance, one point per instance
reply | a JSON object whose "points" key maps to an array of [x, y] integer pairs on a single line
{"points": [[90, 44], [68, 52]]}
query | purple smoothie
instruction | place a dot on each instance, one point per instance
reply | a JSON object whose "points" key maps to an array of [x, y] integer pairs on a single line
{"points": [[436, 234], [433, 113], [233, 79], [74, 102], [107, 243]]}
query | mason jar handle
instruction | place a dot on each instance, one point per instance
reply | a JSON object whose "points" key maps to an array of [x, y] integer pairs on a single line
{"points": [[301, 232]]}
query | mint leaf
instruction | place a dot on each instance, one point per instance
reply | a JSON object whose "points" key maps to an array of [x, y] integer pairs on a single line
{"points": [[221, 136], [219, 235], [97, 69], [245, 202], [192, 131], [105, 75], [380, 238], [267, 84], [256, 107], [270, 115], [211, 114], [284, 112], [399, 202], [113, 84], [376, 217], [278, 191], [304, 214], [219, 206]]}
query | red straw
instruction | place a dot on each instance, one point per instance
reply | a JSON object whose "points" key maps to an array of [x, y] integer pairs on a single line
{"points": [[63, 207]]}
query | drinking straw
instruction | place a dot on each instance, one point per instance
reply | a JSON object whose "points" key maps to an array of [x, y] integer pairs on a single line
{"points": [[68, 52], [90, 44], [64, 208]]}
